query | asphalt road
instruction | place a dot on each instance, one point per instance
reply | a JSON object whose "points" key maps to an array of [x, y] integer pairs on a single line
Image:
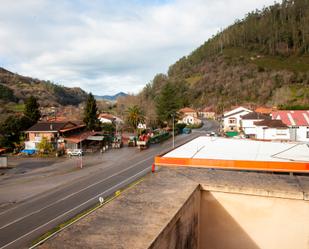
{"points": [[23, 223]]}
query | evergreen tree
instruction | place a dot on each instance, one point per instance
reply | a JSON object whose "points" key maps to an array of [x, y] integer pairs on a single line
{"points": [[168, 103], [31, 110], [90, 114]]}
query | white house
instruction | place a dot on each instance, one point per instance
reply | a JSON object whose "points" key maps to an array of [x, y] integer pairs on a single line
{"points": [[109, 118], [248, 120], [231, 121], [272, 130], [188, 111], [297, 121], [190, 120]]}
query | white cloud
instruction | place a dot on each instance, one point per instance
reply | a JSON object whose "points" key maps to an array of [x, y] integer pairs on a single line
{"points": [[104, 46]]}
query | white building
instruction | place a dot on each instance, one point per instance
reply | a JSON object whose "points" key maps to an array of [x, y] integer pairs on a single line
{"points": [[248, 120], [231, 121], [190, 120], [272, 130], [109, 118], [188, 111], [297, 121]]}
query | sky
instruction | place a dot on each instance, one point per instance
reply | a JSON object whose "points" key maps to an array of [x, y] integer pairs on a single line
{"points": [[108, 46]]}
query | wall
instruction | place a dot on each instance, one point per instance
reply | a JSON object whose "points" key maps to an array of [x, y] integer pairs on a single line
{"points": [[48, 135], [182, 232], [272, 133], [237, 221], [300, 133]]}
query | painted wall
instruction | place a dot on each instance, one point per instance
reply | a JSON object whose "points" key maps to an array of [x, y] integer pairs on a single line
{"points": [[300, 133], [238, 221], [272, 133], [38, 136]]}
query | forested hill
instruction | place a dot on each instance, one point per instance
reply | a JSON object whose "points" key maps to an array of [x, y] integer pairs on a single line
{"points": [[262, 59], [16, 88]]}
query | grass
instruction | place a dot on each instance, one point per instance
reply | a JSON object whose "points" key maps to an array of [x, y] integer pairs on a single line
{"points": [[16, 107], [292, 63], [193, 79]]}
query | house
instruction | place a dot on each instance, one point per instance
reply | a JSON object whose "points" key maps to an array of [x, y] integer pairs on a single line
{"points": [[188, 112], [270, 129], [297, 121], [109, 118], [190, 120], [248, 120], [53, 131], [231, 120], [208, 113]]}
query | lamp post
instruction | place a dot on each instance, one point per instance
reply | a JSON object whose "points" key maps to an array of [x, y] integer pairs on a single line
{"points": [[173, 118], [81, 151]]}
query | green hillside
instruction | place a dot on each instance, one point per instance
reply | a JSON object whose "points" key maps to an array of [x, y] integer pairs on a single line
{"points": [[260, 60], [15, 89]]}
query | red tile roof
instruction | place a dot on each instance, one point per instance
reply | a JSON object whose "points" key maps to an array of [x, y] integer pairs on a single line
{"points": [[264, 110], [292, 118], [186, 110]]}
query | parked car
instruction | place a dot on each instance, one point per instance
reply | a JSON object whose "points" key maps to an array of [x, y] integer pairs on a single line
{"points": [[75, 152], [186, 130]]}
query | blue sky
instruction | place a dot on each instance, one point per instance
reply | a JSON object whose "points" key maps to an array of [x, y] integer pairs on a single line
{"points": [[108, 46]]}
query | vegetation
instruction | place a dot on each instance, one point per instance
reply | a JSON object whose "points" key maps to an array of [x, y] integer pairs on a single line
{"points": [[108, 128], [134, 116], [11, 131], [7, 94], [31, 110], [45, 146], [15, 87], [260, 60], [90, 114], [168, 103]]}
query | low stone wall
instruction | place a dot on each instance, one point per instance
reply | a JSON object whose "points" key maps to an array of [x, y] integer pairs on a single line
{"points": [[3, 162]]}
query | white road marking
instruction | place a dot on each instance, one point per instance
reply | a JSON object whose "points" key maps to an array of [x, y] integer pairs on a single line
{"points": [[72, 194], [80, 205]]}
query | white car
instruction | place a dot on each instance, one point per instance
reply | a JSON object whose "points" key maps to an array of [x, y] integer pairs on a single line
{"points": [[75, 152]]}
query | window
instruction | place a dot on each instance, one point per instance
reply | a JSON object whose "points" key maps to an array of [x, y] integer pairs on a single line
{"points": [[307, 134], [232, 120]]}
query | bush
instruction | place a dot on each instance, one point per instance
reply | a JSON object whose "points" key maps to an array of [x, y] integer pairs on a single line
{"points": [[45, 146], [195, 126]]}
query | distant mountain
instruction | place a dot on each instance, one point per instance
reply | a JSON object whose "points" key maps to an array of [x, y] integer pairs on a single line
{"points": [[15, 88], [111, 97]]}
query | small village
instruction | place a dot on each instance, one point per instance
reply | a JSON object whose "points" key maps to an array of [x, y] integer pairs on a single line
{"points": [[70, 137]]}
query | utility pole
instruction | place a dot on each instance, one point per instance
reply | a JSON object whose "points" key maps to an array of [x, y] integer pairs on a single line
{"points": [[173, 116], [81, 149]]}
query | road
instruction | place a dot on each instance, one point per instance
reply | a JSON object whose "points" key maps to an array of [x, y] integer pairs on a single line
{"points": [[24, 222]]}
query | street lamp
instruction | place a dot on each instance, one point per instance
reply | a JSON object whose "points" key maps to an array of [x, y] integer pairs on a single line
{"points": [[81, 151], [173, 118]]}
